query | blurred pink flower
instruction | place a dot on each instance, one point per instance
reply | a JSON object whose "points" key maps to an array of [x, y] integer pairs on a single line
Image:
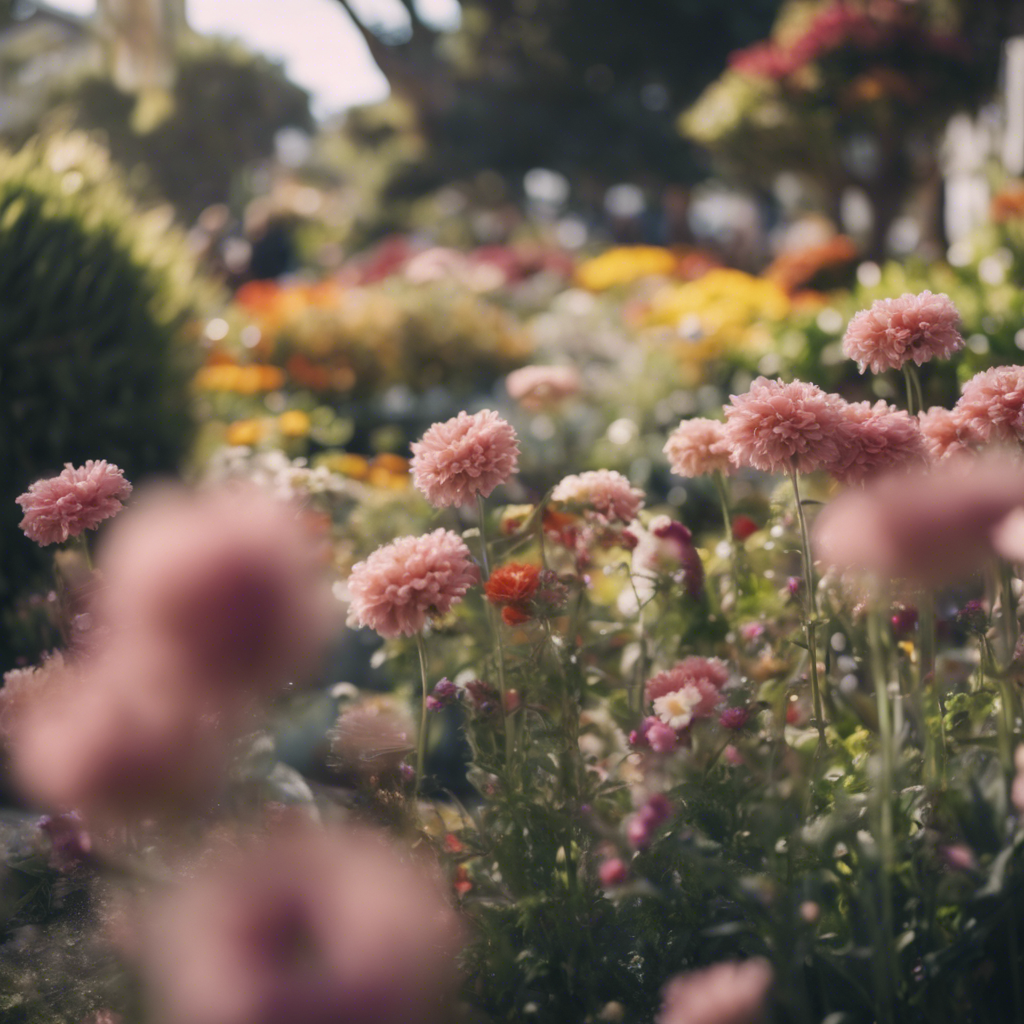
{"points": [[877, 438], [463, 457], [613, 872], [232, 579], [304, 926], [23, 686], [1008, 537], [116, 737], [776, 427], [403, 583], [930, 527], [728, 993], [895, 331], [373, 737], [946, 433], [992, 404], [698, 447], [536, 388], [76, 500], [666, 547], [661, 738], [602, 494]]}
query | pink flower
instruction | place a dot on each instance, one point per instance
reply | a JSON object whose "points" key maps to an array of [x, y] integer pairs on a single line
{"points": [[118, 736], [232, 579], [775, 427], [694, 669], [536, 388], [947, 433], [992, 404], [74, 501], [464, 457], [698, 447], [666, 547], [602, 494], [373, 737], [660, 737], [687, 692], [895, 331], [403, 583], [24, 686], [728, 993], [304, 926], [877, 438], [929, 527], [613, 872]]}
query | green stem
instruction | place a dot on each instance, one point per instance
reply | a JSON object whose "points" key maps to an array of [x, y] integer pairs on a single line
{"points": [[495, 625], [483, 537], [915, 395], [1009, 601], [83, 543], [885, 791], [421, 743], [723, 499], [926, 676], [910, 388], [811, 611]]}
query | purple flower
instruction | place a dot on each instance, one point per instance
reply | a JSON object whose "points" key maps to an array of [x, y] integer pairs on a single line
{"points": [[734, 718], [445, 692]]}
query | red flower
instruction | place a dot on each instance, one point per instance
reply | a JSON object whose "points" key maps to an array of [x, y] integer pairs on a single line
{"points": [[512, 586]]}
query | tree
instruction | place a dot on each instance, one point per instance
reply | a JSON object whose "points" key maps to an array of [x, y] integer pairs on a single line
{"points": [[588, 88]]}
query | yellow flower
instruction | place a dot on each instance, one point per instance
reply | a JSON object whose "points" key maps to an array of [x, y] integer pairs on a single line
{"points": [[381, 476], [624, 265], [294, 423], [355, 467], [245, 432], [245, 380], [719, 312]]}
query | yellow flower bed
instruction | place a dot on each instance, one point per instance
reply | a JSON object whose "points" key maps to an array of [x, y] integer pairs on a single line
{"points": [[721, 312], [624, 265]]}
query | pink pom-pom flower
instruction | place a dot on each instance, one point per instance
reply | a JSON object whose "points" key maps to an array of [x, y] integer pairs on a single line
{"points": [[895, 331], [728, 993], [877, 438], [992, 404], [463, 457], [602, 494], [946, 433], [403, 583], [776, 427], [536, 388], [698, 447], [76, 500]]}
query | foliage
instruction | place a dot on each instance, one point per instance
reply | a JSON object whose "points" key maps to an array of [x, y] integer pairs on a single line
{"points": [[222, 116], [547, 83], [96, 299], [848, 94]]}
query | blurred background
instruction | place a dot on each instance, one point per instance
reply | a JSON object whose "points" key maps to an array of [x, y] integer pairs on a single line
{"points": [[262, 231]]}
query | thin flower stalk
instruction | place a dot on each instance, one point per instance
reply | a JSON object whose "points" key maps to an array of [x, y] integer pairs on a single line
{"points": [[811, 609], [496, 633]]}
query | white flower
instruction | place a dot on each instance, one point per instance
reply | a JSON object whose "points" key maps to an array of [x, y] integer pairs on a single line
{"points": [[676, 709]]}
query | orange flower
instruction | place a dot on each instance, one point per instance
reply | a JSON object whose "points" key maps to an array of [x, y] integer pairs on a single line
{"points": [[513, 584], [514, 616]]}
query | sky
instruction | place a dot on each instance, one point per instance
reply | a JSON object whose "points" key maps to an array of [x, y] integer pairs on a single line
{"points": [[319, 46]]}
